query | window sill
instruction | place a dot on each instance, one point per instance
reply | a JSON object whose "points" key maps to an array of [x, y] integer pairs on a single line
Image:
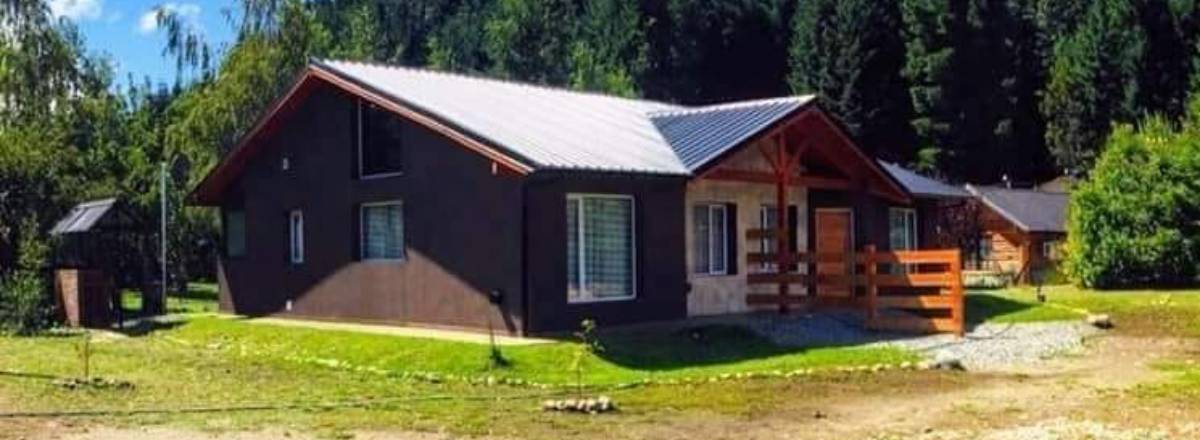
{"points": [[599, 300], [712, 275], [382, 260], [381, 176]]}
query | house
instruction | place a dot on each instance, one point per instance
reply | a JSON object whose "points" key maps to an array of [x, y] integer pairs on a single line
{"points": [[1021, 230], [385, 194]]}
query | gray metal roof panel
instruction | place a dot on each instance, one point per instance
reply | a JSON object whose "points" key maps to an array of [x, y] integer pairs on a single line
{"points": [[552, 128], [922, 186], [83, 217], [1030, 210], [701, 134]]}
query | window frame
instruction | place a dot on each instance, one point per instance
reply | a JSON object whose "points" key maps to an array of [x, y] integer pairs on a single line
{"points": [[296, 237], [1050, 250], [582, 249], [912, 236], [359, 141], [709, 209], [226, 238], [362, 232]]}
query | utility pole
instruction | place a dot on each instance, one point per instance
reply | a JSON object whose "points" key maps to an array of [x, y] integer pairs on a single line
{"points": [[162, 236]]}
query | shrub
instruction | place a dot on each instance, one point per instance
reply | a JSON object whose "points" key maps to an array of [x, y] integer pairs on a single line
{"points": [[25, 306], [1133, 222]]}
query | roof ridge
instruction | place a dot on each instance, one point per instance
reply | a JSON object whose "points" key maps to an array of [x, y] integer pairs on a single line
{"points": [[484, 78], [690, 110]]}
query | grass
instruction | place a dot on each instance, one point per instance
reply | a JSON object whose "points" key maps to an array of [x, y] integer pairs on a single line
{"points": [[215, 361], [1135, 312], [199, 298]]}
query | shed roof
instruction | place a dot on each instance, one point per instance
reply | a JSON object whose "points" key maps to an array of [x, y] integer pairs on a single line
{"points": [[93, 215], [921, 186], [1029, 210]]}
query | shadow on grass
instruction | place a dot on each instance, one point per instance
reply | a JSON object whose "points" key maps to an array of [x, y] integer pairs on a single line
{"points": [[982, 307], [702, 345], [145, 327]]}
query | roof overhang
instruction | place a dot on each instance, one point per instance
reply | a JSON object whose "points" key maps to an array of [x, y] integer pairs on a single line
{"points": [[211, 189]]}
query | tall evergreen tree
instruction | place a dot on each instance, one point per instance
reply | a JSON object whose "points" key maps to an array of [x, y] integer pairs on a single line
{"points": [[1166, 64], [609, 52], [1093, 83], [530, 40], [848, 52]]}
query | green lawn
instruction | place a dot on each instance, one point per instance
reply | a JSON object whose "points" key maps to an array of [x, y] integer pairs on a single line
{"points": [[215, 361], [1135, 312], [199, 298]]}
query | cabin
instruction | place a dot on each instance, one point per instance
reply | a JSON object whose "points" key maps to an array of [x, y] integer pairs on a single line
{"points": [[1021, 231], [384, 194]]}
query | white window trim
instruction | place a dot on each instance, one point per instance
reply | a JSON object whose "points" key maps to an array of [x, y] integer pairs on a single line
{"points": [[916, 230], [296, 236], [361, 174], [362, 231], [580, 248], [710, 209], [1050, 250]]}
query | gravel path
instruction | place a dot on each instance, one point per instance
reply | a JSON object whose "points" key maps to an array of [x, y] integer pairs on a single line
{"points": [[984, 347]]}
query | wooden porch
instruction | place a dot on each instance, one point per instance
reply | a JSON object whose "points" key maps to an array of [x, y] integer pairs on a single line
{"points": [[912, 290]]}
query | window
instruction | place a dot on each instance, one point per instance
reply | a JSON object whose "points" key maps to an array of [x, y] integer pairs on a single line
{"points": [[600, 253], [902, 230], [296, 236], [235, 233], [768, 217], [379, 142], [382, 231], [711, 228], [1050, 249]]}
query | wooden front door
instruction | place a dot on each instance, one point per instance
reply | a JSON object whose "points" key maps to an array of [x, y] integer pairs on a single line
{"points": [[835, 235]]}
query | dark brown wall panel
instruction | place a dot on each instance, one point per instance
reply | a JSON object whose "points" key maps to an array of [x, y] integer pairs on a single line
{"points": [[462, 228]]}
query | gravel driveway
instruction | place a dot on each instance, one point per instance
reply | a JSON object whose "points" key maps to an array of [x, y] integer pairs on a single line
{"points": [[985, 347]]}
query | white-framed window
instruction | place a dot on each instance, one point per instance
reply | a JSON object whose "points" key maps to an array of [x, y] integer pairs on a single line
{"points": [[382, 229], [380, 142], [235, 233], [1051, 249], [902, 229], [768, 217], [296, 236], [710, 223], [600, 248]]}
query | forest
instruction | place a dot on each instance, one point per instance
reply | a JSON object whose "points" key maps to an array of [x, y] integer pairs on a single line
{"points": [[966, 90]]}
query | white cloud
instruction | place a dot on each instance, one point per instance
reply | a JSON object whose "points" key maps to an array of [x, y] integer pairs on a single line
{"points": [[78, 10], [187, 12]]}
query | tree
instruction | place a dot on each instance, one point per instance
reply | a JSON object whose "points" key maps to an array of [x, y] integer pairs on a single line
{"points": [[705, 51], [847, 52], [609, 52], [530, 40], [1093, 83]]}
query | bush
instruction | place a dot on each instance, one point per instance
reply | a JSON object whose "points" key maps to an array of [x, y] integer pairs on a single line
{"points": [[25, 305], [1133, 222]]}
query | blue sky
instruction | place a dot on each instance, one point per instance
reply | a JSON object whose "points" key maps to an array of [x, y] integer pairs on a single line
{"points": [[126, 31]]}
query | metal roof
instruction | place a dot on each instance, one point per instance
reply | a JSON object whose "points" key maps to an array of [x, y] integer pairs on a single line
{"points": [[922, 186], [700, 134], [551, 128], [84, 216], [1030, 210]]}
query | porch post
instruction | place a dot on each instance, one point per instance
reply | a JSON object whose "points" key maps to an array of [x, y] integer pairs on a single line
{"points": [[782, 248]]}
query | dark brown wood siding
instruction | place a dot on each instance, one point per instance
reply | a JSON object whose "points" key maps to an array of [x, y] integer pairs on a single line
{"points": [[462, 226], [661, 275]]}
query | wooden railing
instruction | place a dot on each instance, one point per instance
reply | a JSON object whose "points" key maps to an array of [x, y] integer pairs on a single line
{"points": [[915, 291]]}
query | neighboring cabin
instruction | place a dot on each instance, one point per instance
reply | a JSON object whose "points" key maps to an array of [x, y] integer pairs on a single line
{"points": [[1022, 230], [384, 194]]}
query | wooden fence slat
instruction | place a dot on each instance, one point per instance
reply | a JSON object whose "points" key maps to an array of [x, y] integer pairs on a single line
{"points": [[760, 234], [917, 302], [914, 280], [914, 324], [776, 278]]}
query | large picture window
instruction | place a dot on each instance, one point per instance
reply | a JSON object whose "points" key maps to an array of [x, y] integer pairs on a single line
{"points": [[711, 234], [235, 233], [902, 232], [380, 142], [383, 231], [600, 248]]}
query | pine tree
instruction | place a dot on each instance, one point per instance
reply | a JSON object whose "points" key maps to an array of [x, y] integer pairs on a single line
{"points": [[850, 54], [530, 40], [609, 52], [1093, 83]]}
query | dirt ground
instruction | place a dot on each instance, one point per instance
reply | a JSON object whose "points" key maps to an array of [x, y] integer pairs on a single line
{"points": [[1071, 397]]}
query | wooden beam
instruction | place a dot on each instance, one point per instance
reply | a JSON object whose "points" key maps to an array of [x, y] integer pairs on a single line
{"points": [[808, 181]]}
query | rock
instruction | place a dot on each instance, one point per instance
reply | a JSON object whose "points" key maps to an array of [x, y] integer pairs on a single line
{"points": [[1100, 321], [947, 361], [818, 414]]}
